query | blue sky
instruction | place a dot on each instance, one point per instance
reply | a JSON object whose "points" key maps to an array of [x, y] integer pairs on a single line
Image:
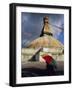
{"points": [[32, 24]]}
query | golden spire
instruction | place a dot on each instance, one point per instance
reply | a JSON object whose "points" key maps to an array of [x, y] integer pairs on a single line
{"points": [[46, 27]]}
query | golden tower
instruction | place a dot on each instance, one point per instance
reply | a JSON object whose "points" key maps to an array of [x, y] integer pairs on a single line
{"points": [[46, 27]]}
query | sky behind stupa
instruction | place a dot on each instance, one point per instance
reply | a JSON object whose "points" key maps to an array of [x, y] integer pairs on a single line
{"points": [[32, 24]]}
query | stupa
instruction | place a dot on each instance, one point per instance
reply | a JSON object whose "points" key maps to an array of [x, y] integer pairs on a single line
{"points": [[45, 43], [46, 39]]}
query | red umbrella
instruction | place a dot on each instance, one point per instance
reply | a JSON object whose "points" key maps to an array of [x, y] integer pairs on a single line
{"points": [[48, 58]]}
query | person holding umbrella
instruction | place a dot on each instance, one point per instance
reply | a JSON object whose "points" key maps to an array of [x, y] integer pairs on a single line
{"points": [[51, 64]]}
